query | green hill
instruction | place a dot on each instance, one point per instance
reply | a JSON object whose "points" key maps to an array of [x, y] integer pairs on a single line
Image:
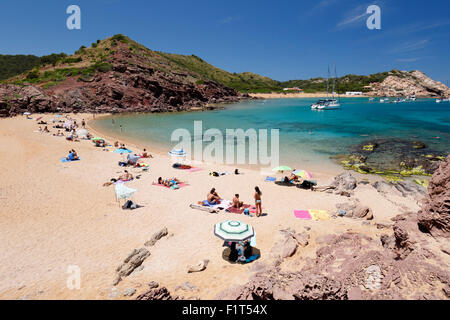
{"points": [[52, 69]]}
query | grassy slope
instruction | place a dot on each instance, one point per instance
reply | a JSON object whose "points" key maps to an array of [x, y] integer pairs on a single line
{"points": [[50, 70]]}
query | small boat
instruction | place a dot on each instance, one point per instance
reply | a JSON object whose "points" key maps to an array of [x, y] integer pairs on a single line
{"points": [[371, 99], [438, 100], [328, 104]]}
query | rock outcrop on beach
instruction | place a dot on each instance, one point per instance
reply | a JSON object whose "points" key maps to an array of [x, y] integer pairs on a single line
{"points": [[117, 75], [404, 84], [435, 214], [407, 261]]}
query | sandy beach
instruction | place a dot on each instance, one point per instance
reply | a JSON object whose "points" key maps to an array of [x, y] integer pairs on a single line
{"points": [[55, 215]]}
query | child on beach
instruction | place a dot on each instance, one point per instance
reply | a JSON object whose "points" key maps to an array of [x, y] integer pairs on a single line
{"points": [[258, 204]]}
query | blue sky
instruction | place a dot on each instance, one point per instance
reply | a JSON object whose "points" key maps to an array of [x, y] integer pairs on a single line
{"points": [[280, 39]]}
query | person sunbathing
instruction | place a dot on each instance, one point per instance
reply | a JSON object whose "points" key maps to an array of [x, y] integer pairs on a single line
{"points": [[213, 197], [40, 129], [126, 176], [59, 134], [46, 130], [236, 203], [116, 144], [146, 155]]}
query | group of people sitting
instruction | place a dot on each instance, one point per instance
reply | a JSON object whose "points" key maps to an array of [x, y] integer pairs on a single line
{"points": [[213, 198], [44, 130], [241, 252], [73, 156]]}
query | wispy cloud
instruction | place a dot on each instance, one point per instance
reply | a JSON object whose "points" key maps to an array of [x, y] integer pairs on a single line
{"points": [[408, 59], [229, 19], [410, 46], [350, 20]]}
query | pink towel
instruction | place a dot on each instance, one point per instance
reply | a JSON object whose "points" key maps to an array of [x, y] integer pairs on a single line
{"points": [[193, 169], [302, 214], [181, 185]]}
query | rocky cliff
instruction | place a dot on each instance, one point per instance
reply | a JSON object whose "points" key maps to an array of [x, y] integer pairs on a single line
{"points": [[114, 75], [403, 83], [435, 214]]}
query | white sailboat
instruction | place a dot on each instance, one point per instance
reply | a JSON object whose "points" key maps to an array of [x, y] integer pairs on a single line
{"points": [[328, 104]]}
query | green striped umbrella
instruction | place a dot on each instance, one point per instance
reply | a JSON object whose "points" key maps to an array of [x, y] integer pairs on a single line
{"points": [[282, 168], [97, 138], [232, 230]]}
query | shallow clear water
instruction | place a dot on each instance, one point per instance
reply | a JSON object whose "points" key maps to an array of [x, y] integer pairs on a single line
{"points": [[305, 135]]}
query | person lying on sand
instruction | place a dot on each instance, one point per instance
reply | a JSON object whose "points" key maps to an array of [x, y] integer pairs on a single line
{"points": [[46, 130], [213, 197], [40, 129], [168, 182], [236, 203], [59, 134], [126, 176]]}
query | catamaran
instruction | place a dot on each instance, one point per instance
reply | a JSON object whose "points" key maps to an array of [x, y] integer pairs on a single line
{"points": [[328, 104]]}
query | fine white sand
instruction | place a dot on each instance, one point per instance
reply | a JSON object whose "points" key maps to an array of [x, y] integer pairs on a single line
{"points": [[54, 214]]}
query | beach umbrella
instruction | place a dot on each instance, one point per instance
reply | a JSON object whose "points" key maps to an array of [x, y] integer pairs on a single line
{"points": [[282, 168], [82, 133], [123, 192], [67, 124], [98, 139], [122, 151], [302, 173], [26, 113], [177, 153], [232, 230], [133, 158]]}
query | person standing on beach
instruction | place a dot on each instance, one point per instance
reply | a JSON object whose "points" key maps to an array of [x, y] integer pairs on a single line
{"points": [[121, 128], [83, 124], [258, 204]]}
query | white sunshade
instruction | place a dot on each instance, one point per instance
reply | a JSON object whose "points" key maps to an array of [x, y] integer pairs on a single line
{"points": [[232, 230]]}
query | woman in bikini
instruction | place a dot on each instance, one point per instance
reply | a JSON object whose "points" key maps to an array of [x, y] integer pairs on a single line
{"points": [[258, 205]]}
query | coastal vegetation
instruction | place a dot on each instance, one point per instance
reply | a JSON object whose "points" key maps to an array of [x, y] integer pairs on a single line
{"points": [[86, 61]]}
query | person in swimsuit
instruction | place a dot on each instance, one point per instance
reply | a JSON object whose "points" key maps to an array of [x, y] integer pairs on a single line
{"points": [[213, 197], [258, 204], [236, 203]]}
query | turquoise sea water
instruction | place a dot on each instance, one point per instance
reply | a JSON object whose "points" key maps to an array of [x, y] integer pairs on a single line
{"points": [[305, 135]]}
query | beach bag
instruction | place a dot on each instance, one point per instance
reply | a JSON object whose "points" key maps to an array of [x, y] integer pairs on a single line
{"points": [[214, 174], [129, 205], [246, 211]]}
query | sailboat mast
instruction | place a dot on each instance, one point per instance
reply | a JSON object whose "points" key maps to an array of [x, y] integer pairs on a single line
{"points": [[335, 76], [328, 79]]}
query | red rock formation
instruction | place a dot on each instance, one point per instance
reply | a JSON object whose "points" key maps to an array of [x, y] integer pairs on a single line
{"points": [[435, 214], [131, 85]]}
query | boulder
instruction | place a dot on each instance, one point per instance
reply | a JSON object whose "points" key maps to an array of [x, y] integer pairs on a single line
{"points": [[157, 236], [133, 261], [434, 217]]}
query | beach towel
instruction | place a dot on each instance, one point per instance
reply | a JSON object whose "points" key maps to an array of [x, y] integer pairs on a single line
{"points": [[203, 208], [220, 206], [180, 185], [311, 214], [270, 179], [302, 214], [240, 210], [319, 215], [65, 160]]}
